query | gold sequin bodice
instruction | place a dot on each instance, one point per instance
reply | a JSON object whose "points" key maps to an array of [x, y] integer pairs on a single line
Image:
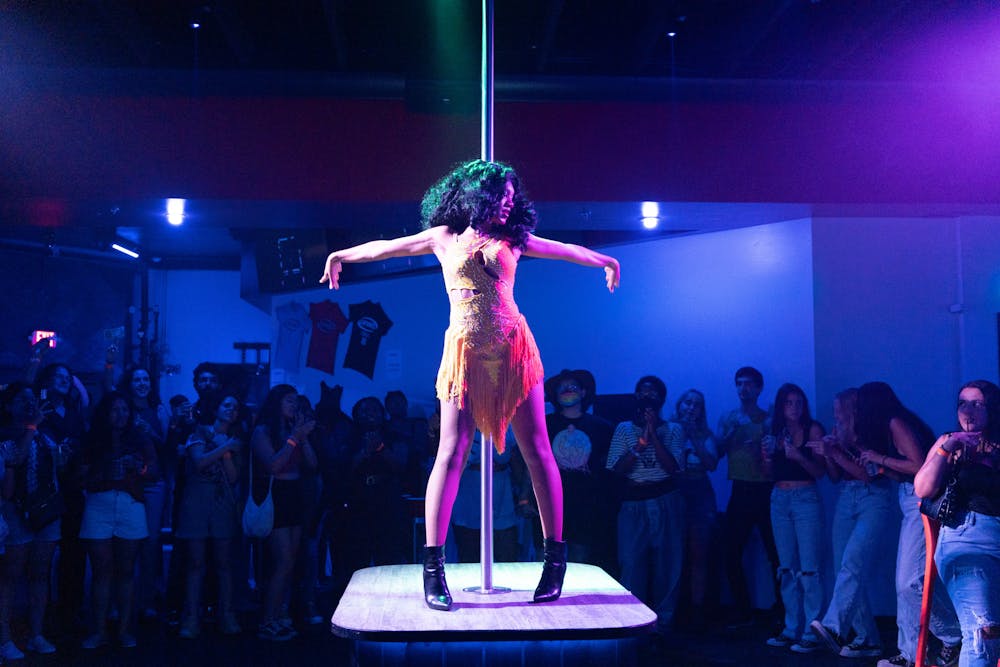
{"points": [[479, 276]]}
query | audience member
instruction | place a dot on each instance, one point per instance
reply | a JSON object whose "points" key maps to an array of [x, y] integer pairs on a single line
{"points": [[281, 449], [378, 529], [700, 458], [895, 440], [647, 453], [307, 568], [208, 511], [865, 506], [412, 431], [65, 423], [31, 460], [797, 517], [136, 384], [580, 443], [207, 384], [968, 553], [118, 459], [739, 438]]}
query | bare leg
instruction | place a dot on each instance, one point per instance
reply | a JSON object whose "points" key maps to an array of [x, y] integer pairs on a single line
{"points": [[125, 553], [533, 441], [102, 566], [457, 429], [39, 568], [195, 577], [13, 570]]}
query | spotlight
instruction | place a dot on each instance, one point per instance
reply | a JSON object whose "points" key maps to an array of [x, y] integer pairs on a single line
{"points": [[650, 223], [175, 211], [195, 25], [671, 34], [650, 209]]}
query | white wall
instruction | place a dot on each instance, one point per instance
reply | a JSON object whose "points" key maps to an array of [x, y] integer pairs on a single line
{"points": [[885, 289]]}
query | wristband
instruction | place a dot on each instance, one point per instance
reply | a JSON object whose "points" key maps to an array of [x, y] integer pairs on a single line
{"points": [[31, 427], [941, 451], [380, 447], [292, 442]]}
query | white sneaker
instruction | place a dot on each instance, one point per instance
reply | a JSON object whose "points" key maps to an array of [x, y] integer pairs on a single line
{"points": [[41, 645], [10, 651]]}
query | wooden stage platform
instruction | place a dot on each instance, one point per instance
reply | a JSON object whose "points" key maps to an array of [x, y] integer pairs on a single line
{"points": [[596, 621]]}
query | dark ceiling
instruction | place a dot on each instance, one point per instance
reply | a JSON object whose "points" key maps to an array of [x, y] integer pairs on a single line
{"points": [[249, 45], [731, 39]]}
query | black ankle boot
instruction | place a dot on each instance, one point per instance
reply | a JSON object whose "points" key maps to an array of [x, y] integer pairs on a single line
{"points": [[436, 593], [553, 571]]}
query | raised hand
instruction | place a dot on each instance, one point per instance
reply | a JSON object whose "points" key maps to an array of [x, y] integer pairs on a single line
{"points": [[331, 274]]}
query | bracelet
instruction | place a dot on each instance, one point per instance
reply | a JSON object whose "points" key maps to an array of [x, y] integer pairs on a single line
{"points": [[380, 447], [292, 442], [941, 451], [31, 427]]}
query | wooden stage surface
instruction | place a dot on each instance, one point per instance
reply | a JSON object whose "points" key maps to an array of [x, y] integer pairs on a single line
{"points": [[386, 604]]}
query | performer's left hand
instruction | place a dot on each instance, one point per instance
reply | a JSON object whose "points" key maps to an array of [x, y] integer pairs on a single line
{"points": [[332, 273], [613, 274]]}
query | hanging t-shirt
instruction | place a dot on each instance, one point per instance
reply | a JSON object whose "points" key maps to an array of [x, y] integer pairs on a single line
{"points": [[293, 322], [370, 324], [328, 322]]}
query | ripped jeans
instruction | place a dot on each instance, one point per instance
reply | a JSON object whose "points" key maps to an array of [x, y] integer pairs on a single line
{"points": [[797, 520], [968, 558]]}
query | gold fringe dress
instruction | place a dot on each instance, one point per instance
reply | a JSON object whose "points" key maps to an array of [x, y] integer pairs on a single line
{"points": [[490, 360]]}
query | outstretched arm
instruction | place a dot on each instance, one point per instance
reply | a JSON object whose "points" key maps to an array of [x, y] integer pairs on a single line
{"points": [[374, 251], [549, 249]]}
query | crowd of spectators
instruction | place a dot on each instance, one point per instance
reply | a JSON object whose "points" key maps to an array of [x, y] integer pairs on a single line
{"points": [[103, 484]]}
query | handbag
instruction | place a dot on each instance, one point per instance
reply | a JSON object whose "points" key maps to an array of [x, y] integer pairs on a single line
{"points": [[42, 508], [43, 505], [258, 520], [946, 508]]}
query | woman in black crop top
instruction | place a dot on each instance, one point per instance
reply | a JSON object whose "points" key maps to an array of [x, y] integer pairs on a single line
{"points": [[796, 516], [968, 556]]}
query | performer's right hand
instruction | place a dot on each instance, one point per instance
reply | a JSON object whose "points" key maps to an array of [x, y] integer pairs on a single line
{"points": [[332, 273]]}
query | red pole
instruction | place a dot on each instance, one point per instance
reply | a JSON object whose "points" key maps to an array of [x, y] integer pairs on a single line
{"points": [[931, 530]]}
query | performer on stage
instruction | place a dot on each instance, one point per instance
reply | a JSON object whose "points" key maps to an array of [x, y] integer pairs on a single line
{"points": [[478, 223]]}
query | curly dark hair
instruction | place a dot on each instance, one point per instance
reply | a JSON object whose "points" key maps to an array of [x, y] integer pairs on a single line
{"points": [[470, 194]]}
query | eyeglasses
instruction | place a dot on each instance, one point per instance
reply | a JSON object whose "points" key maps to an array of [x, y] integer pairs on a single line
{"points": [[971, 405]]}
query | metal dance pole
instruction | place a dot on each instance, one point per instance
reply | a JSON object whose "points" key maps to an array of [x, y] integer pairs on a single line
{"points": [[486, 449]]}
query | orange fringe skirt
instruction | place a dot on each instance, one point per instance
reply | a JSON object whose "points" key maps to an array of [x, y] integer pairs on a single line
{"points": [[493, 378]]}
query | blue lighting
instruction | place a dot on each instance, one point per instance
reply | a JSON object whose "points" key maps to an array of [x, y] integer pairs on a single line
{"points": [[175, 211]]}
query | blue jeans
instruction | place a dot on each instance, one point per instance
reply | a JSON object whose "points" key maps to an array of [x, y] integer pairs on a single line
{"points": [[859, 520], [968, 558], [797, 520], [651, 551], [910, 561]]}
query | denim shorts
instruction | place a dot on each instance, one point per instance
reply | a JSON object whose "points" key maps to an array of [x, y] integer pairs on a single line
{"points": [[108, 514]]}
